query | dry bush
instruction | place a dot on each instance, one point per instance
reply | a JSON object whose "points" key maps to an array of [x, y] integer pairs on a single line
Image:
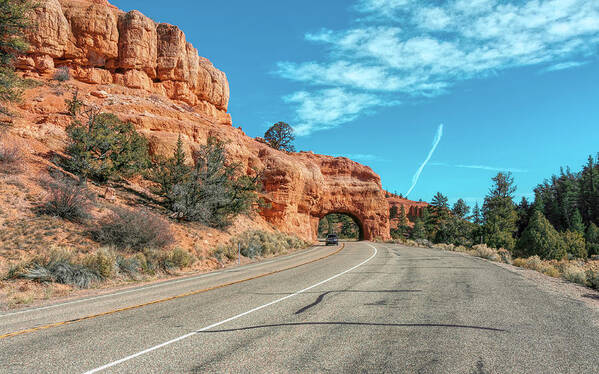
{"points": [[62, 74], [11, 158], [58, 267], [533, 263], [102, 262], [550, 270], [256, 243], [520, 262], [424, 243], [574, 274], [445, 247], [481, 250], [505, 255], [133, 230], [592, 276], [66, 199]]}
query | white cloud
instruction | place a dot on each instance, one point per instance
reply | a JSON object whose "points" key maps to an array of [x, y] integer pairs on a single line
{"points": [[329, 108], [409, 48], [565, 65]]}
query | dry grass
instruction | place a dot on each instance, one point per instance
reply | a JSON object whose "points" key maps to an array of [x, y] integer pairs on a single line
{"points": [[258, 243], [11, 158]]}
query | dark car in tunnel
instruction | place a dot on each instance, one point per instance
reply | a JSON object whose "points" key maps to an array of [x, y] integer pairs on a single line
{"points": [[332, 239]]}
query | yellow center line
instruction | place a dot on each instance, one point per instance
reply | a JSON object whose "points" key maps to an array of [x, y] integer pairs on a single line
{"points": [[48, 326]]}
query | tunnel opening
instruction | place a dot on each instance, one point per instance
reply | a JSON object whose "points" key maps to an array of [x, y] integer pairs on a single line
{"points": [[345, 225]]}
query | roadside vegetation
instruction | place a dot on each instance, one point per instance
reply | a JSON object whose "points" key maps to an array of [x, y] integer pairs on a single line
{"points": [[13, 23], [556, 233], [259, 243]]}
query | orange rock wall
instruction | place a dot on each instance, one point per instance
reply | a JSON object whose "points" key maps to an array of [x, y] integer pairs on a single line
{"points": [[413, 209], [104, 45], [148, 74]]}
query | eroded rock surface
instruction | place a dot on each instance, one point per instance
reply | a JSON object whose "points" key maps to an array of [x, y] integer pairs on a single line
{"points": [[103, 45]]}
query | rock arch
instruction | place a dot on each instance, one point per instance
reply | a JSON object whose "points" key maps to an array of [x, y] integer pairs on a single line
{"points": [[352, 216], [302, 188]]}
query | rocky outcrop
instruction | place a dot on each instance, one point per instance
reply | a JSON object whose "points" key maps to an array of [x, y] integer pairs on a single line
{"points": [[145, 73], [104, 45], [413, 209]]}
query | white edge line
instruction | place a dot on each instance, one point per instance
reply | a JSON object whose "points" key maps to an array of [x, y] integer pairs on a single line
{"points": [[160, 284], [124, 359]]}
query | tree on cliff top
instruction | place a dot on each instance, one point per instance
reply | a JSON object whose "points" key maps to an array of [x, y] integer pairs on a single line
{"points": [[280, 136], [13, 21]]}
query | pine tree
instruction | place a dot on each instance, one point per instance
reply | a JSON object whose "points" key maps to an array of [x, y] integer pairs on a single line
{"points": [[476, 215], [13, 22], [540, 238], [574, 243], [402, 217], [106, 147], [439, 209], [499, 213], [524, 210], [419, 230], [393, 212], [576, 223], [592, 239], [172, 171], [280, 136], [460, 209]]}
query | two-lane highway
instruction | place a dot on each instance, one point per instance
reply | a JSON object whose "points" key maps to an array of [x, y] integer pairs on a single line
{"points": [[367, 308]]}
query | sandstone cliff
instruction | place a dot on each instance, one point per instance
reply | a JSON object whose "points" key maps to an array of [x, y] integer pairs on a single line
{"points": [[413, 209], [148, 74]]}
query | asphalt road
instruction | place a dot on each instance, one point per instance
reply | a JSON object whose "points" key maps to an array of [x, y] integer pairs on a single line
{"points": [[368, 308]]}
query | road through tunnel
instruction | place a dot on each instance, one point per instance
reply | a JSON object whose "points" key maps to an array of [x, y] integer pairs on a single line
{"points": [[347, 226]]}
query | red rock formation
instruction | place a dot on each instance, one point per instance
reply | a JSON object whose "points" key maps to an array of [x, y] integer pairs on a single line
{"points": [[105, 45], [149, 74], [413, 209]]}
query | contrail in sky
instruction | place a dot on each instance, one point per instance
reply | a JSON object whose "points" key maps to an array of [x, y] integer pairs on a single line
{"points": [[430, 154]]}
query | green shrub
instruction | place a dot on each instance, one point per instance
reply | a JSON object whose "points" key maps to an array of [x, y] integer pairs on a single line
{"points": [[133, 230], [540, 238], [575, 244], [105, 147], [66, 199], [103, 262], [181, 258], [212, 192]]}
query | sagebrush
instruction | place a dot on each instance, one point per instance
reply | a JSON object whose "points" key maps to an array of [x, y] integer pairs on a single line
{"points": [[133, 229]]}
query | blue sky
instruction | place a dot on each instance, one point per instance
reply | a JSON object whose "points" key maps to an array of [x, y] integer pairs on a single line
{"points": [[514, 84]]}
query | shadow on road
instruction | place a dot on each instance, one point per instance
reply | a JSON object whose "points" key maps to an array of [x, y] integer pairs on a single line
{"points": [[322, 295], [373, 324]]}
